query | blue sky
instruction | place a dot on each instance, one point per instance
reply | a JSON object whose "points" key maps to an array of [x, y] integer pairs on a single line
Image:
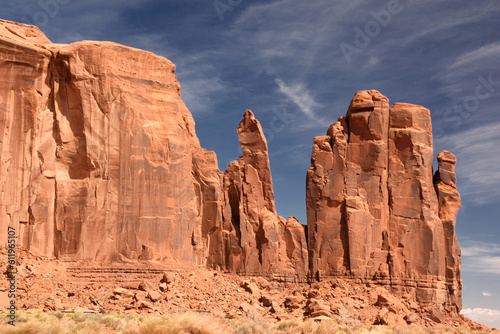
{"points": [[297, 64]]}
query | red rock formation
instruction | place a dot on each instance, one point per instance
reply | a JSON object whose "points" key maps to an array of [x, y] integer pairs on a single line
{"points": [[249, 213], [373, 211], [347, 190], [449, 203], [258, 241], [293, 248], [99, 155], [25, 124], [100, 161]]}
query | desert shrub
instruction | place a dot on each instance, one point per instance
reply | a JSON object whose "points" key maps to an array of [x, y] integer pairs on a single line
{"points": [[79, 317], [288, 326], [112, 321], [58, 315], [251, 326], [347, 330], [187, 323], [33, 327], [192, 323], [89, 326], [312, 327]]}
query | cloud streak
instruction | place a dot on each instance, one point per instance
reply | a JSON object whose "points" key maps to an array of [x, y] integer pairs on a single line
{"points": [[483, 315], [299, 95], [478, 178], [481, 257], [490, 50]]}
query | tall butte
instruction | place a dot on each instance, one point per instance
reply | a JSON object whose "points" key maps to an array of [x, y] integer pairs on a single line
{"points": [[376, 213], [99, 156], [99, 161]]}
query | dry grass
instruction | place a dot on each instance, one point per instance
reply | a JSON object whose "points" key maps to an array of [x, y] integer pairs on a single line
{"points": [[38, 322]]}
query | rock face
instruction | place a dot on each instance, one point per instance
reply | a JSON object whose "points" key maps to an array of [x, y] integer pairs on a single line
{"points": [[257, 241], [100, 162], [251, 223], [99, 155], [374, 211], [449, 203]]}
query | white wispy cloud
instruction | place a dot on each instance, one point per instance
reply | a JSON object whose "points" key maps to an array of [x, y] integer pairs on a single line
{"points": [[457, 68], [430, 25], [486, 294], [481, 257], [474, 148], [299, 95], [293, 50], [473, 248], [296, 154], [198, 92], [487, 51], [485, 264], [483, 315]]}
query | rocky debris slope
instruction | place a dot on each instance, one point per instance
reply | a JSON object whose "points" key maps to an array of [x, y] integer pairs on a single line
{"points": [[100, 162], [54, 285], [374, 212]]}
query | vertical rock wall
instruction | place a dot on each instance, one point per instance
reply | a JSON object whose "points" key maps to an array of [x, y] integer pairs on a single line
{"points": [[374, 211], [100, 160], [27, 181], [258, 241], [449, 203]]}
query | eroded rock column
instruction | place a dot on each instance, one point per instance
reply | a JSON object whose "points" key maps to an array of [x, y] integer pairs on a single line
{"points": [[257, 240], [252, 234], [375, 213], [449, 203], [366, 182]]}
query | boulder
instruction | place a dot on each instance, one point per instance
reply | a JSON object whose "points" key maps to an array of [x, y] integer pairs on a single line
{"points": [[251, 287], [154, 296], [166, 278], [146, 286], [123, 292]]}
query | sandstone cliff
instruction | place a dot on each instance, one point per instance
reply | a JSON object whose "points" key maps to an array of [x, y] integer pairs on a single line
{"points": [[99, 155], [374, 212], [100, 162]]}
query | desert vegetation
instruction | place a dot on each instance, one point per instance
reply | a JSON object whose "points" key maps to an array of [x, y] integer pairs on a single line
{"points": [[38, 322]]}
